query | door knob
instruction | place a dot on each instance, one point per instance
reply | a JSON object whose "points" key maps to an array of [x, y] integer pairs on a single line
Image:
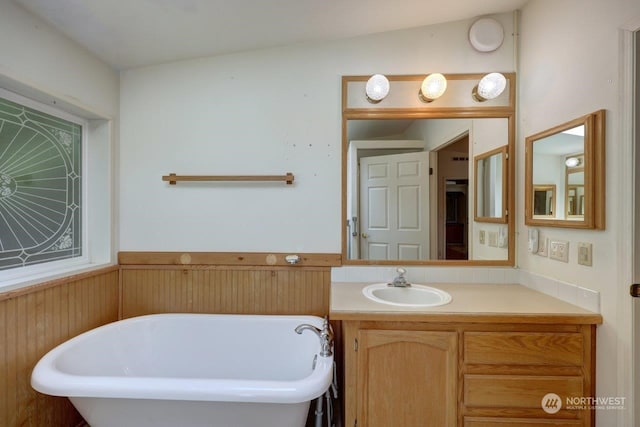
{"points": [[364, 235], [634, 290]]}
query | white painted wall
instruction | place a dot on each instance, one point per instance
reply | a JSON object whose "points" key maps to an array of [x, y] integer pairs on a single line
{"points": [[438, 132], [264, 112], [569, 66], [40, 57]]}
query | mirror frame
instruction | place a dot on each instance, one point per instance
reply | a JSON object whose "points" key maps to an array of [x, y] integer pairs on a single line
{"points": [[470, 110], [594, 174], [502, 219]]}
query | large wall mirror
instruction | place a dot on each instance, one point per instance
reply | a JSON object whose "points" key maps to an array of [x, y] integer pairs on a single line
{"points": [[564, 184], [410, 180]]}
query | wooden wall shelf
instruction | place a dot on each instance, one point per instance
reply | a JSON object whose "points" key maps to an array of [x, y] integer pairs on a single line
{"points": [[247, 259], [173, 178]]}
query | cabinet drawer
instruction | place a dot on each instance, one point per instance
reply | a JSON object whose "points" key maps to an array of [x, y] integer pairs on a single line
{"points": [[519, 422], [517, 391], [523, 348]]}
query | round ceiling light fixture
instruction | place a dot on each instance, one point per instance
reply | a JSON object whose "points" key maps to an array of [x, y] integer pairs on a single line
{"points": [[486, 35], [377, 88], [572, 162]]}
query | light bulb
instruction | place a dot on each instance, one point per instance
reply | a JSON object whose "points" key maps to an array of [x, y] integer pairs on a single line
{"points": [[377, 88], [572, 162], [489, 87], [433, 87]]}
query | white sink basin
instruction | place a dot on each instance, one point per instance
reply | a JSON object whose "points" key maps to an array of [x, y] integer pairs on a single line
{"points": [[412, 296]]}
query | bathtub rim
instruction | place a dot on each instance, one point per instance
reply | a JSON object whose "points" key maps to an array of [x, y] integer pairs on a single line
{"points": [[47, 379]]}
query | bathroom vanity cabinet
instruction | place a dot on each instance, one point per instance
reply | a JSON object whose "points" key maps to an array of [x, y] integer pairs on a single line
{"points": [[400, 376], [458, 368]]}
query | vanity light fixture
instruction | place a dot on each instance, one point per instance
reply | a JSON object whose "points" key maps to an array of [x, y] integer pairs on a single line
{"points": [[572, 162], [433, 87], [489, 87], [377, 88]]}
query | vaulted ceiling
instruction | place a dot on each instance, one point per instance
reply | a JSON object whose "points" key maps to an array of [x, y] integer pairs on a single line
{"points": [[133, 33]]}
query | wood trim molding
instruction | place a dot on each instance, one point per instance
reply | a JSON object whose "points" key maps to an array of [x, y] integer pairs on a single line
{"points": [[466, 318], [268, 259]]}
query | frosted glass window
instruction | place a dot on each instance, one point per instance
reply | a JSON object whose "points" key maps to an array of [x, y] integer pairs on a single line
{"points": [[40, 187]]}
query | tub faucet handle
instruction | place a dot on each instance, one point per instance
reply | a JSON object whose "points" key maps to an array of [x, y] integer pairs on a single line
{"points": [[292, 259], [325, 334]]}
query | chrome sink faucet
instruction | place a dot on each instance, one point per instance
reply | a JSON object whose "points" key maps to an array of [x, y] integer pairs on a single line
{"points": [[400, 281], [325, 334]]}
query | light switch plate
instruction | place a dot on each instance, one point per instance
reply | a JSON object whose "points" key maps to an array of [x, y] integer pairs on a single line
{"points": [[493, 238], [559, 250], [585, 254], [481, 237], [543, 246]]}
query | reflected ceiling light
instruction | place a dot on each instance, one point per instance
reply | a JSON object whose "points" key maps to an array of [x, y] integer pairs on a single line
{"points": [[489, 87], [432, 88], [572, 162], [377, 88]]}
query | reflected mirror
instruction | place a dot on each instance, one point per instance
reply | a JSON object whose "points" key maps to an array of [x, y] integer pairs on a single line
{"points": [[565, 175], [409, 179], [544, 200], [491, 179]]}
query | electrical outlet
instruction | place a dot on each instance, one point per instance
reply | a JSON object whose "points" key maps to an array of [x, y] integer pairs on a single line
{"points": [[493, 239], [559, 250], [481, 237], [543, 246], [585, 254]]}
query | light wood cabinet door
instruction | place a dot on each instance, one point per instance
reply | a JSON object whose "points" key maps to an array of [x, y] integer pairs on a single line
{"points": [[407, 378]]}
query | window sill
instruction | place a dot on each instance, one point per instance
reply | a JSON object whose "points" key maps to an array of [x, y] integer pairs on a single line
{"points": [[9, 288]]}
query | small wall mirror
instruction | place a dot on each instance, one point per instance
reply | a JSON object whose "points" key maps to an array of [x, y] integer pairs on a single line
{"points": [[544, 200], [491, 191], [565, 175]]}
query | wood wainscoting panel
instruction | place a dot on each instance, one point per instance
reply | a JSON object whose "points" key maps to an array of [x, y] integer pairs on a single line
{"points": [[225, 289], [35, 320]]}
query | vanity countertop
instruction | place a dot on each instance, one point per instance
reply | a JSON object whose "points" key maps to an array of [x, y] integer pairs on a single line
{"points": [[477, 303]]}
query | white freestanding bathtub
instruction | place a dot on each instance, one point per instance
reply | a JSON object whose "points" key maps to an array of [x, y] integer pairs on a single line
{"points": [[190, 370]]}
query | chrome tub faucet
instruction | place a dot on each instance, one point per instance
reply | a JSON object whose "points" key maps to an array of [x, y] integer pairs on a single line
{"points": [[325, 334]]}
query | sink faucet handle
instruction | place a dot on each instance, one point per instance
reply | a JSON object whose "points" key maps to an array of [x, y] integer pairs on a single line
{"points": [[400, 280]]}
